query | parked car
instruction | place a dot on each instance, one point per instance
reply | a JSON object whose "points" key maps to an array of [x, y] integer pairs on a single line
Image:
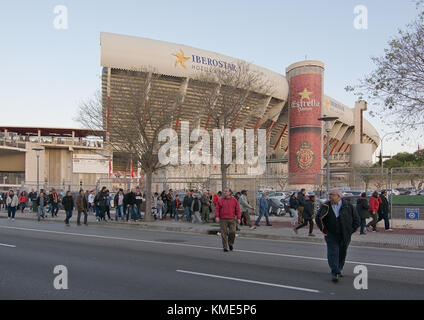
{"points": [[276, 207]]}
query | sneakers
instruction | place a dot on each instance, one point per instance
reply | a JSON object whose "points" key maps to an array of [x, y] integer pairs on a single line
{"points": [[252, 228], [389, 230], [311, 235], [225, 250], [269, 225], [362, 233]]}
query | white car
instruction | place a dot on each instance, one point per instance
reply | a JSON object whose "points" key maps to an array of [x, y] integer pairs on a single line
{"points": [[278, 196]]}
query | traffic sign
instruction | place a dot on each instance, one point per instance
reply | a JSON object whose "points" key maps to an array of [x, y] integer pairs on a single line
{"points": [[412, 213]]}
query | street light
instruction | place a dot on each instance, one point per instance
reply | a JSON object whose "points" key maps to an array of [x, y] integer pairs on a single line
{"points": [[38, 150], [381, 150], [327, 129]]}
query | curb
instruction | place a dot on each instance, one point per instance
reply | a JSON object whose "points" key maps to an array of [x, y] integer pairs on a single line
{"points": [[148, 226]]}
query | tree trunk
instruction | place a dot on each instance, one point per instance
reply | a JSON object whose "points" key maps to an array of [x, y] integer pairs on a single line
{"points": [[223, 176], [148, 186]]}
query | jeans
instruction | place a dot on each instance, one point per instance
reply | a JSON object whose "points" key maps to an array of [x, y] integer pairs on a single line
{"points": [[68, 216], [188, 214], [336, 253], [295, 215], [55, 209], [22, 205], [261, 214], [363, 224], [11, 212], [131, 211], [41, 213], [119, 212], [385, 216], [138, 212], [196, 217]]}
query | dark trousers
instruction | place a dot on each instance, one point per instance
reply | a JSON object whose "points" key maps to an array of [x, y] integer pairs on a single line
{"points": [[68, 216], [108, 212], [336, 252], [385, 217], [374, 221], [228, 232], [11, 212], [79, 217], [305, 223], [363, 224], [55, 209]]}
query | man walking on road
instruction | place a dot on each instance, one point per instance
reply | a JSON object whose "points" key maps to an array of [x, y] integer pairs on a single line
{"points": [[226, 210], [338, 221]]}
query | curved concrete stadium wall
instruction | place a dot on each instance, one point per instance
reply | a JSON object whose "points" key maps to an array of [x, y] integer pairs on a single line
{"points": [[332, 107], [361, 154], [141, 54]]}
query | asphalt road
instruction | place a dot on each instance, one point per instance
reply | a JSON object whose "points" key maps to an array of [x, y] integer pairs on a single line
{"points": [[124, 262]]}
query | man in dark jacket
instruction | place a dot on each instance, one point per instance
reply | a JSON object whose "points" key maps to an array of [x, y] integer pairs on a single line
{"points": [[362, 208], [82, 207], [338, 221], [383, 210], [308, 215], [301, 197], [187, 205], [68, 204], [130, 201]]}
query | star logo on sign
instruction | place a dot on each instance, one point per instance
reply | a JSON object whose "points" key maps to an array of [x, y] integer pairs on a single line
{"points": [[305, 94], [180, 59]]}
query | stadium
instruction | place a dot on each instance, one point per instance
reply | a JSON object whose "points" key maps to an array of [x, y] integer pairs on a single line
{"points": [[296, 139]]}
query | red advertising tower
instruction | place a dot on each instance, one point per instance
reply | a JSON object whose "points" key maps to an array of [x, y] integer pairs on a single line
{"points": [[305, 101]]}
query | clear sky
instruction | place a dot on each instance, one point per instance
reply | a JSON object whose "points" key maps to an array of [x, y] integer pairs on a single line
{"points": [[45, 73]]}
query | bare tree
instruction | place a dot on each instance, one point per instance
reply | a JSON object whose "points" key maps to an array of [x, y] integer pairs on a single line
{"points": [[226, 100], [134, 120], [396, 86]]}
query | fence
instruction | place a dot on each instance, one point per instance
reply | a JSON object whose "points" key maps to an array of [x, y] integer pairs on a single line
{"points": [[408, 180]]}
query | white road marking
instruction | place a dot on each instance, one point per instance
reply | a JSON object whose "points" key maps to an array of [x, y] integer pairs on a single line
{"points": [[249, 281], [7, 245], [212, 248]]}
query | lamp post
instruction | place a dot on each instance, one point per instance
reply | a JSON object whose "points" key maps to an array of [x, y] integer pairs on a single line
{"points": [[38, 150], [381, 150], [327, 129]]}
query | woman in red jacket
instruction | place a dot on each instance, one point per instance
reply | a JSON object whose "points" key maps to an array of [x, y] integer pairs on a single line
{"points": [[22, 201], [374, 205]]}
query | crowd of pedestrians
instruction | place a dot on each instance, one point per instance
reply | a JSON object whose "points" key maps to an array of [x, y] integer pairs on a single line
{"points": [[336, 218]]}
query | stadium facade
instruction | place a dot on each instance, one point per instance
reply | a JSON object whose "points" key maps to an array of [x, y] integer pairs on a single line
{"points": [[289, 112]]}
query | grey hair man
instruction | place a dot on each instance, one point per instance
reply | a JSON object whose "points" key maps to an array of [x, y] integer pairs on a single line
{"points": [[337, 220]]}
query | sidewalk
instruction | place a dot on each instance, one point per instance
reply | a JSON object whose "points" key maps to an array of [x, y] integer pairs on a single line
{"points": [[399, 238]]}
